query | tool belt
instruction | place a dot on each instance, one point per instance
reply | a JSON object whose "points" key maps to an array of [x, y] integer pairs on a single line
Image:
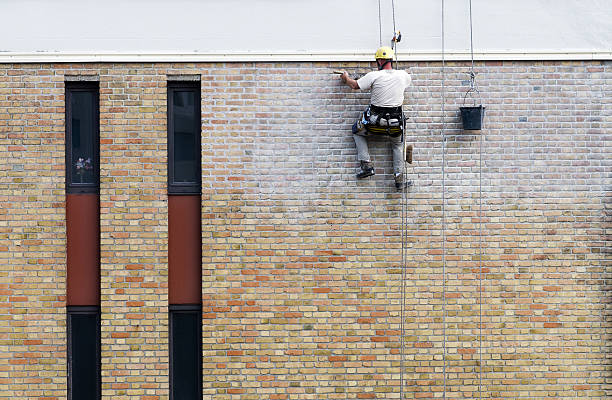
{"points": [[384, 120]]}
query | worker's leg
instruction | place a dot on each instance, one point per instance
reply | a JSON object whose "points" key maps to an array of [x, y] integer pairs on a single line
{"points": [[363, 156], [363, 153], [398, 154], [397, 145]]}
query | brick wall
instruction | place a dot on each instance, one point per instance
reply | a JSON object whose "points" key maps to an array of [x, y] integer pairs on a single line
{"points": [[302, 264]]}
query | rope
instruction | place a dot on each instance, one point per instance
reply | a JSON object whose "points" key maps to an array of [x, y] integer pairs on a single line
{"points": [[393, 10], [404, 262], [379, 26], [394, 43], [471, 41], [404, 226], [473, 87], [443, 211], [480, 274], [472, 73]]}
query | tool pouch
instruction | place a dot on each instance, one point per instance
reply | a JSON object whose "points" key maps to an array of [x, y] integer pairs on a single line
{"points": [[384, 120]]}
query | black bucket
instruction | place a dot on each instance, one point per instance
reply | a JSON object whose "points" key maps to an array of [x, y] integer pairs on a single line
{"points": [[472, 117]]}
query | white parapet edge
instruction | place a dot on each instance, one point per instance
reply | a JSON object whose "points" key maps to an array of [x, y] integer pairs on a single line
{"points": [[181, 57]]}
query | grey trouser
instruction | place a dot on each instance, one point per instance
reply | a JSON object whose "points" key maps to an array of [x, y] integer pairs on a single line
{"points": [[396, 145]]}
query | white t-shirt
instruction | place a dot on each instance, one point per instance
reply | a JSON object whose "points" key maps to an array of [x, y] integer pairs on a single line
{"points": [[387, 86]]}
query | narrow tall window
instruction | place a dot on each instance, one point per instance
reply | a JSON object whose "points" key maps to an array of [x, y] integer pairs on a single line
{"points": [[83, 240], [184, 172], [82, 137], [184, 240], [83, 352], [185, 352]]}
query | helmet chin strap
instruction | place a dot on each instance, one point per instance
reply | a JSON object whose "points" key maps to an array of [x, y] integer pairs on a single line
{"points": [[381, 66]]}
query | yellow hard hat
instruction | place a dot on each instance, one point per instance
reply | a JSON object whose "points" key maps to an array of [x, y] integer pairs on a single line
{"points": [[385, 52]]}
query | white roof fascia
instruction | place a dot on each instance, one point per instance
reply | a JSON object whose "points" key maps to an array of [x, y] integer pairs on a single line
{"points": [[340, 56]]}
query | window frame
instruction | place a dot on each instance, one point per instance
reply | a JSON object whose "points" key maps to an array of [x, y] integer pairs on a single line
{"points": [[184, 187], [83, 310], [70, 88], [184, 309]]}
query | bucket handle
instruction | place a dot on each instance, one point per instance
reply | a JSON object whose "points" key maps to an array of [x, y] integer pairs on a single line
{"points": [[472, 90]]}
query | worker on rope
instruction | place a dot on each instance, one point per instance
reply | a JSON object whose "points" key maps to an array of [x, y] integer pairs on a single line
{"points": [[384, 115]]}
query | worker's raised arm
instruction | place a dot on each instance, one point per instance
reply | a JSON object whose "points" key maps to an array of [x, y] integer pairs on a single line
{"points": [[352, 83]]}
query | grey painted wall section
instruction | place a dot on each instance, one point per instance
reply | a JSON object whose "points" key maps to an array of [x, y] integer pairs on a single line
{"points": [[300, 27]]}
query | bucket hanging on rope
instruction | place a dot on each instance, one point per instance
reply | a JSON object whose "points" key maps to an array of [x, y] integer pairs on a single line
{"points": [[473, 116]]}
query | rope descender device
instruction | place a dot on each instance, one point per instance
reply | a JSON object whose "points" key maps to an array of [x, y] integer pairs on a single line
{"points": [[397, 37]]}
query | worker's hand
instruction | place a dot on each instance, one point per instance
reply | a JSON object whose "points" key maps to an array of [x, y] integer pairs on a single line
{"points": [[344, 77]]}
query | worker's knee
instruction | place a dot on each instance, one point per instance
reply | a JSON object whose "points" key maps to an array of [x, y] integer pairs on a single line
{"points": [[396, 140]]}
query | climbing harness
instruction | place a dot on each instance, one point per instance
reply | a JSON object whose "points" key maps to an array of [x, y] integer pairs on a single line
{"points": [[388, 121]]}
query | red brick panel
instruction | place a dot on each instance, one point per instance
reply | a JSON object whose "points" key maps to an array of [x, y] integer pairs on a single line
{"points": [[83, 250], [184, 250]]}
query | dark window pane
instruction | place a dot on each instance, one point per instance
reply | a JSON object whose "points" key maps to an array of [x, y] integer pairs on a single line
{"points": [[184, 131], [83, 137], [186, 155], [186, 355], [83, 360]]}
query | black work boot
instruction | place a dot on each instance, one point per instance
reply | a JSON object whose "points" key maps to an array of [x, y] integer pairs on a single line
{"points": [[400, 183], [366, 170]]}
